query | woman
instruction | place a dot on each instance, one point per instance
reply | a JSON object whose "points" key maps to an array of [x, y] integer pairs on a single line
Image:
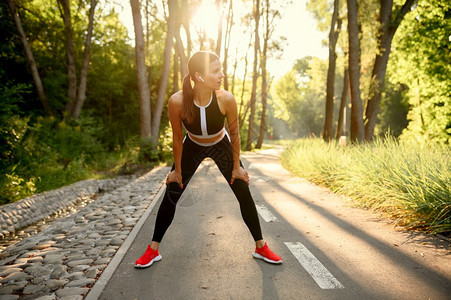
{"points": [[202, 110]]}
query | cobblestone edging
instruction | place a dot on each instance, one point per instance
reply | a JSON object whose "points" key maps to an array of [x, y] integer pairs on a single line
{"points": [[66, 259], [27, 211]]}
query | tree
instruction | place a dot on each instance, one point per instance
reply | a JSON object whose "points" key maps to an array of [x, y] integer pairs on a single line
{"points": [[227, 36], [85, 65], [288, 101], [30, 58], [389, 23], [335, 26], [242, 112], [181, 53], [255, 76], [421, 63], [269, 29], [296, 97], [357, 128], [70, 54], [143, 85], [179, 48], [219, 39], [76, 98], [164, 74], [341, 128]]}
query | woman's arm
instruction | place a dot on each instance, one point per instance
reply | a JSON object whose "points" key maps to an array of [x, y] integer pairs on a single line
{"points": [[174, 110], [232, 120]]}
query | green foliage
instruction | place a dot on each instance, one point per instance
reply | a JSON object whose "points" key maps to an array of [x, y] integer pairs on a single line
{"points": [[50, 153], [15, 188], [12, 128], [299, 96], [12, 132], [39, 154], [422, 62], [408, 181], [147, 152], [393, 110], [294, 105]]}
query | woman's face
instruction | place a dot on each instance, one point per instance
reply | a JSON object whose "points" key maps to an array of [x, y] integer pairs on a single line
{"points": [[213, 77]]}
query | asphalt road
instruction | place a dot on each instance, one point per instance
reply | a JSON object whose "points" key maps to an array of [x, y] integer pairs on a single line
{"points": [[330, 249]]}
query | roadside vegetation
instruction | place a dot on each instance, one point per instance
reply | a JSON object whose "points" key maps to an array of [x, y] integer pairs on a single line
{"points": [[49, 154], [409, 182]]}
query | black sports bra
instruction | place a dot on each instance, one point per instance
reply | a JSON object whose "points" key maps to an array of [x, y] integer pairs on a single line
{"points": [[208, 120]]}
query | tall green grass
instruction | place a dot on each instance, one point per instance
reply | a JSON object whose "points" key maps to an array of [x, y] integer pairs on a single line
{"points": [[410, 182]]}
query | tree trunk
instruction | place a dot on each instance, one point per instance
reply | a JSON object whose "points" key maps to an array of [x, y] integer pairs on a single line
{"points": [[241, 115], [341, 130], [30, 58], [148, 55], [164, 74], [229, 25], [85, 65], [235, 66], [189, 42], [175, 73], [219, 40], [330, 90], [70, 53], [388, 28], [250, 133], [179, 48], [181, 53], [143, 85], [357, 129], [262, 130]]}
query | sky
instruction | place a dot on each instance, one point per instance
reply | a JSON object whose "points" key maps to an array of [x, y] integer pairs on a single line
{"points": [[299, 27], [296, 24]]}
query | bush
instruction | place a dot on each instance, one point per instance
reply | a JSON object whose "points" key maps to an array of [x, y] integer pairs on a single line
{"points": [[51, 153], [15, 188], [46, 155], [408, 181]]}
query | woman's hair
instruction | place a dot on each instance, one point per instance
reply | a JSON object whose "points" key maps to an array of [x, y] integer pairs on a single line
{"points": [[199, 62]]}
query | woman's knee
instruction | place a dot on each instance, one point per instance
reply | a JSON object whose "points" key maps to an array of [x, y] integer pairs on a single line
{"points": [[241, 190], [173, 193]]}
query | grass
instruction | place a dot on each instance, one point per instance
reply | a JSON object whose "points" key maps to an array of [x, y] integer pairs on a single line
{"points": [[409, 182]]}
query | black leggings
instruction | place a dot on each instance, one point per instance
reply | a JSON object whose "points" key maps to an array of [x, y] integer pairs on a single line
{"points": [[192, 155]]}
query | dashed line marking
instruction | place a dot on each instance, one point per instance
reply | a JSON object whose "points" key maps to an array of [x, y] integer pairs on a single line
{"points": [[265, 213], [314, 267]]}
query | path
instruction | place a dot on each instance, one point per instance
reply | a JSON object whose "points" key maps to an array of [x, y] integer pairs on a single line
{"points": [[330, 250]]}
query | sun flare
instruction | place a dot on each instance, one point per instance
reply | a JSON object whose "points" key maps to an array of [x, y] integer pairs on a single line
{"points": [[206, 18]]}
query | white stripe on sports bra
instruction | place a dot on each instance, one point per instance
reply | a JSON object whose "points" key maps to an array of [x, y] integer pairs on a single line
{"points": [[203, 118], [208, 136], [224, 133]]}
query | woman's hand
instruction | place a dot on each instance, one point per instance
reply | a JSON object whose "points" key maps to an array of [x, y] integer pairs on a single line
{"points": [[175, 176], [240, 174]]}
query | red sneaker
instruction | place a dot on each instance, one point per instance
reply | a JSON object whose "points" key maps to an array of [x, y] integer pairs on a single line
{"points": [[267, 255], [148, 258]]}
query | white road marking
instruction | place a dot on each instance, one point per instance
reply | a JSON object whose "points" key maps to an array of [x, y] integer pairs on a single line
{"points": [[265, 213], [314, 267]]}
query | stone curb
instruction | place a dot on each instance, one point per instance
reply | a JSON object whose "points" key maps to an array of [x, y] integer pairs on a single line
{"points": [[66, 259], [20, 214], [101, 283]]}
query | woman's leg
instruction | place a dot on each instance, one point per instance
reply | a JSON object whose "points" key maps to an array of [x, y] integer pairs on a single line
{"points": [[192, 156], [221, 153]]}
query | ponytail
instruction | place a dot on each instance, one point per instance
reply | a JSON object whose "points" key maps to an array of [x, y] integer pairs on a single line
{"points": [[188, 100]]}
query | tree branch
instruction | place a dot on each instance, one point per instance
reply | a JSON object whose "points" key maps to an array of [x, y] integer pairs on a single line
{"points": [[401, 13]]}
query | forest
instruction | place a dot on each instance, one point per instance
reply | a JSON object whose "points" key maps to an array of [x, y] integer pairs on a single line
{"points": [[82, 97]]}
